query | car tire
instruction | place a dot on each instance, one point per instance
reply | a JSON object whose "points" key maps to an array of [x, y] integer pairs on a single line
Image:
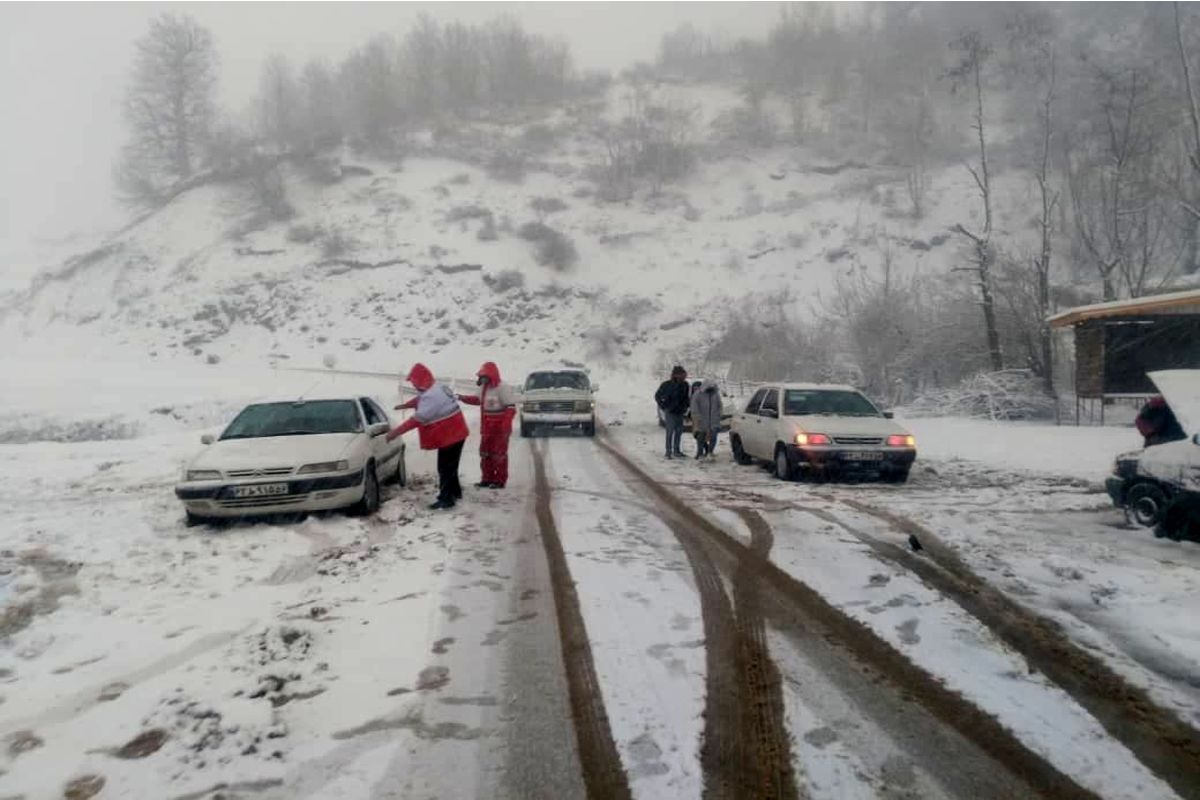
{"points": [[194, 520], [526, 430], [1146, 503], [369, 503], [783, 467], [401, 475], [740, 455], [589, 428], [896, 475]]}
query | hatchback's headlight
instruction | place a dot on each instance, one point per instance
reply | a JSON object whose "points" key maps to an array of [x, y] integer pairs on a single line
{"points": [[203, 475], [325, 466]]}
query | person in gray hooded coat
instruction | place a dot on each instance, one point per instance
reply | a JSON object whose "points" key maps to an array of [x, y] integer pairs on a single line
{"points": [[706, 417]]}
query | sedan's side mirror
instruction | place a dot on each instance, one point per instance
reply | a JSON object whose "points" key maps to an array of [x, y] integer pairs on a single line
{"points": [[889, 415], [207, 439], [378, 429], [767, 412]]}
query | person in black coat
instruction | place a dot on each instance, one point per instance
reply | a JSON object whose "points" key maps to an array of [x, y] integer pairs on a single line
{"points": [[673, 397], [1157, 424]]}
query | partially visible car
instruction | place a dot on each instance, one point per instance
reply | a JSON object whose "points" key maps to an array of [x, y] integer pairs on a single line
{"points": [[1159, 486], [294, 456], [821, 431], [558, 398]]}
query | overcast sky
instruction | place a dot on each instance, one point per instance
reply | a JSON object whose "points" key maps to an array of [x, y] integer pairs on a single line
{"points": [[63, 68]]}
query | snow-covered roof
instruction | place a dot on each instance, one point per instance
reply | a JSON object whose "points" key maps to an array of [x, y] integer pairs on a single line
{"points": [[1136, 305]]}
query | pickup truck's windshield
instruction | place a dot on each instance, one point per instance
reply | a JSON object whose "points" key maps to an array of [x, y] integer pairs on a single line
{"points": [[294, 419], [557, 380], [800, 402]]}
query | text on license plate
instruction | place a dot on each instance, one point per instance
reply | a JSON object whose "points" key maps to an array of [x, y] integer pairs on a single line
{"points": [[260, 490], [864, 455]]}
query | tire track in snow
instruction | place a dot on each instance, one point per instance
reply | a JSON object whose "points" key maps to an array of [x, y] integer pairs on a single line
{"points": [[745, 753], [799, 608], [603, 775], [1164, 743]]}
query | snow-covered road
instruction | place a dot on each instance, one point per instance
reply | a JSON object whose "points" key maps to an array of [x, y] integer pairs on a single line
{"points": [[611, 625]]}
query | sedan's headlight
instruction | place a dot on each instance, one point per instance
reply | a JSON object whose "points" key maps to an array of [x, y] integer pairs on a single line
{"points": [[202, 475], [325, 466]]}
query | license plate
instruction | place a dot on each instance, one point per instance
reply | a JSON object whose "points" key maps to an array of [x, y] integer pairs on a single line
{"points": [[260, 490], [865, 455]]}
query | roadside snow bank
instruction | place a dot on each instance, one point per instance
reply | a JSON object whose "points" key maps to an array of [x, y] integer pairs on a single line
{"points": [[1049, 449]]}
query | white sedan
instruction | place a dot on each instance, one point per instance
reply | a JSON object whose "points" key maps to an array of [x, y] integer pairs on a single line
{"points": [[294, 456]]}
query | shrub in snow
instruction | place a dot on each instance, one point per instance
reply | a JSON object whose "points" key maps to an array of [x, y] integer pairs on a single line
{"points": [[336, 243], [547, 205], [509, 167], [462, 213], [505, 280], [304, 233], [552, 248], [487, 231], [1011, 394]]}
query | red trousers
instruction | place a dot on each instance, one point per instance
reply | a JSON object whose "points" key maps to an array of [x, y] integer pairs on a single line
{"points": [[493, 456]]}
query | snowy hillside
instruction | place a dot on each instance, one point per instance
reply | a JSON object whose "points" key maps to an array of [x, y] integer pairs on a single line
{"points": [[424, 256]]}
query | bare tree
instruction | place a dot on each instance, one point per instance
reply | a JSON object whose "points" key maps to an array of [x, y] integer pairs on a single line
{"points": [[1118, 208], [278, 104], [321, 107], [169, 105], [974, 53]]}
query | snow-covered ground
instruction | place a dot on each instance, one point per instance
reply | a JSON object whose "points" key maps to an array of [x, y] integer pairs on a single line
{"points": [[335, 656]]}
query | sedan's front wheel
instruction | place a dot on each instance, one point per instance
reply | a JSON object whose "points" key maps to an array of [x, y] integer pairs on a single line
{"points": [[369, 503], [783, 465]]}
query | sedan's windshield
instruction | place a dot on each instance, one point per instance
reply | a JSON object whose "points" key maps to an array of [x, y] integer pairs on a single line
{"points": [[294, 419], [800, 402], [557, 380]]}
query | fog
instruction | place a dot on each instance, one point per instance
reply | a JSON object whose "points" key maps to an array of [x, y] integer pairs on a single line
{"points": [[64, 68]]}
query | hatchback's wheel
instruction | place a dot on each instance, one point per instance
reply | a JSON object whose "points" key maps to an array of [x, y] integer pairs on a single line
{"points": [[369, 503], [401, 476], [1146, 503], [739, 453], [783, 465], [192, 520]]}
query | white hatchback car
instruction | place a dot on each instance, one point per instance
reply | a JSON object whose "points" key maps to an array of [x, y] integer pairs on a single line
{"points": [[294, 456], [821, 430]]}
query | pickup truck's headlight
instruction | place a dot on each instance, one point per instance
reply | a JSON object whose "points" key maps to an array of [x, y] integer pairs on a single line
{"points": [[584, 406], [202, 475], [325, 466]]}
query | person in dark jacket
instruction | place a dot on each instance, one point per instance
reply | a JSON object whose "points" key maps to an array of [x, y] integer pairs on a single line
{"points": [[441, 426], [673, 397], [1157, 424]]}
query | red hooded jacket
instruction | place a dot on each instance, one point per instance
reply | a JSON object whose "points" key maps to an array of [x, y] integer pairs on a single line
{"points": [[438, 419], [498, 406]]}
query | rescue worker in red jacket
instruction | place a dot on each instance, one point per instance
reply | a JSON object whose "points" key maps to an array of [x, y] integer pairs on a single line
{"points": [[440, 426], [498, 406]]}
